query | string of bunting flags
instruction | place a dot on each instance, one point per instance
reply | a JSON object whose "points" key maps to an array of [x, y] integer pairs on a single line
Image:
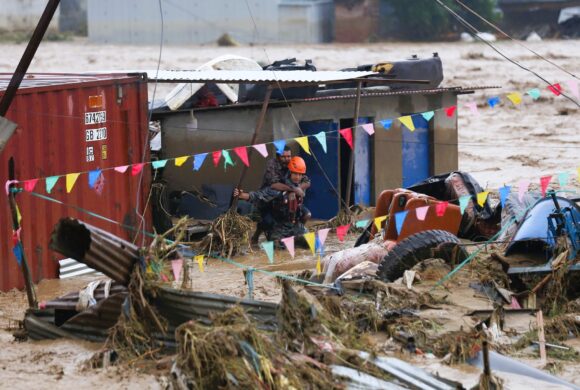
{"points": [[316, 240], [241, 152]]}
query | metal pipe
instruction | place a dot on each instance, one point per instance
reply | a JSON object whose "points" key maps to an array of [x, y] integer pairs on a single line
{"points": [[351, 161], [28, 55], [261, 119], [30, 293]]}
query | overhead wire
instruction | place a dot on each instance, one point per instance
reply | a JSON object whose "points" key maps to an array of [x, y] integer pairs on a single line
{"points": [[495, 27], [146, 143], [476, 34], [322, 170]]}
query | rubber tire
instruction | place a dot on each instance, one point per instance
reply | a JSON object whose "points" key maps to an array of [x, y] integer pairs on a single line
{"points": [[416, 248]]}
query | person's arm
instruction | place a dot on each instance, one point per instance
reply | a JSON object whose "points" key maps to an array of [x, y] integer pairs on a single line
{"points": [[305, 183], [281, 187], [241, 194]]}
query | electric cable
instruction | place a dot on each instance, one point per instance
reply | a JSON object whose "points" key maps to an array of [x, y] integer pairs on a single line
{"points": [[495, 27], [476, 34]]}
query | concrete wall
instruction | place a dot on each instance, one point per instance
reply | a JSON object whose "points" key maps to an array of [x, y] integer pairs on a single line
{"points": [[239, 125], [23, 15], [202, 22]]}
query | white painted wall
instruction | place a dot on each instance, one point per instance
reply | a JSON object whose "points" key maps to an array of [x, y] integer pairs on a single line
{"points": [[17, 15]]}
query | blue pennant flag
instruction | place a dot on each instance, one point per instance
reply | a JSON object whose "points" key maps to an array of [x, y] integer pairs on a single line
{"points": [[428, 115], [159, 164], [93, 176], [280, 144], [198, 160], [386, 123], [400, 219], [17, 250], [268, 247], [503, 194], [493, 101]]}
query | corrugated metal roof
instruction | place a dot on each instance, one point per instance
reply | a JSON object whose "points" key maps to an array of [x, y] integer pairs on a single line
{"points": [[36, 80], [251, 76]]}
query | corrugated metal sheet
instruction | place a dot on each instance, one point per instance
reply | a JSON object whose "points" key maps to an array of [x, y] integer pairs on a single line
{"points": [[70, 268], [179, 306], [250, 76], [96, 248], [50, 140]]}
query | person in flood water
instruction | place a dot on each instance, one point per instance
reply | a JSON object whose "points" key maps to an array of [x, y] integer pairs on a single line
{"points": [[286, 203]]}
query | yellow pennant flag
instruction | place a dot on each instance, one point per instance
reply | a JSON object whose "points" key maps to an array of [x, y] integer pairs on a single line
{"points": [[310, 239], [18, 215], [514, 97], [318, 266], [578, 169], [482, 197], [303, 141], [379, 220], [199, 260], [71, 179], [408, 122], [179, 161], [149, 270]]}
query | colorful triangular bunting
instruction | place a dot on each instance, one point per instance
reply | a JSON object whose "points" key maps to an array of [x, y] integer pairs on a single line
{"points": [[289, 244], [321, 137], [242, 153], [71, 179], [303, 142]]}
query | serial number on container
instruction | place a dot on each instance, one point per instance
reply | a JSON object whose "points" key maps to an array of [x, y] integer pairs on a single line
{"points": [[92, 118], [96, 134]]}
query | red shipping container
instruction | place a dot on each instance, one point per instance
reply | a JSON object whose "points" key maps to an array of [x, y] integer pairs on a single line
{"points": [[70, 123]]}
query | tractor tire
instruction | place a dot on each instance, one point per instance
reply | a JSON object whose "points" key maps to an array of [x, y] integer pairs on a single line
{"points": [[418, 247]]}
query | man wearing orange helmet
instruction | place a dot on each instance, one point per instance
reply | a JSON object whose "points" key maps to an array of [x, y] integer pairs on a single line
{"points": [[288, 210]]}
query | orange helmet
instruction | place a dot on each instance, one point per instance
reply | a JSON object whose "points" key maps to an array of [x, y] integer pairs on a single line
{"points": [[297, 165]]}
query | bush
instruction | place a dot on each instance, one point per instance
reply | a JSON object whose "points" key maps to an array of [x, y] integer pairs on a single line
{"points": [[428, 20]]}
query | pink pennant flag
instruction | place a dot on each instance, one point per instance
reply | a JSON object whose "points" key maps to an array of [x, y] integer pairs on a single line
{"points": [[8, 184], [369, 128], [261, 148], [176, 266], [556, 89], [29, 185], [440, 208], [472, 107], [421, 212], [449, 111], [216, 157], [573, 87], [136, 168], [341, 232], [289, 243], [242, 153], [347, 134], [544, 181], [122, 168], [322, 234], [522, 188]]}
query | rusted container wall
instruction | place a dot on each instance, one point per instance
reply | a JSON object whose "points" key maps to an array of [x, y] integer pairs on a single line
{"points": [[51, 140]]}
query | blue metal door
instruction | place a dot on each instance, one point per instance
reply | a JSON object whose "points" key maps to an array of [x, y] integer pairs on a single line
{"points": [[321, 198], [416, 152], [362, 165]]}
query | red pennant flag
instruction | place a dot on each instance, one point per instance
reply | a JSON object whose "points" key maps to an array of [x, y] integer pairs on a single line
{"points": [[242, 153], [216, 157], [556, 89], [544, 181], [341, 231], [347, 134], [440, 208], [450, 111], [29, 185], [136, 168]]}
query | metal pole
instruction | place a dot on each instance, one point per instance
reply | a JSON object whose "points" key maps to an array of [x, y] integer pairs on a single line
{"points": [[486, 368], [351, 161], [32, 302], [259, 124], [29, 53]]}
